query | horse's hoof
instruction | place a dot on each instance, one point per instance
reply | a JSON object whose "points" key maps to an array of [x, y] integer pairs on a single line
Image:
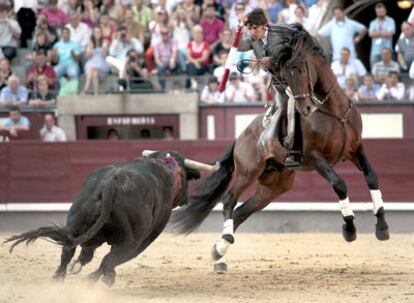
{"points": [[348, 233], [75, 267], [220, 268], [229, 238], [215, 254], [382, 233]]}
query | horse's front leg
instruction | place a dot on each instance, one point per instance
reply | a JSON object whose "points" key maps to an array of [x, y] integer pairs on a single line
{"points": [[340, 188], [361, 161]]}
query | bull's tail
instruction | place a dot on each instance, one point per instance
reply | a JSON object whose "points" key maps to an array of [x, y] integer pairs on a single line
{"points": [[56, 233], [107, 197], [205, 196]]}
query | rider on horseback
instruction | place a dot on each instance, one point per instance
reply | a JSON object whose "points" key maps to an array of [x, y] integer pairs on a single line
{"points": [[266, 45]]}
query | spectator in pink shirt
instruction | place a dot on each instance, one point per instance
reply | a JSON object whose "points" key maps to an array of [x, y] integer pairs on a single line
{"points": [[212, 25], [165, 55], [55, 16]]}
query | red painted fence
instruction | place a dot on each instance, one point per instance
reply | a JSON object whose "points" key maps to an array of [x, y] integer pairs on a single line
{"points": [[54, 172]]}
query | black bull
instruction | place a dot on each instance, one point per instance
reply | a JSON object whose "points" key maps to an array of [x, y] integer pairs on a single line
{"points": [[126, 205]]}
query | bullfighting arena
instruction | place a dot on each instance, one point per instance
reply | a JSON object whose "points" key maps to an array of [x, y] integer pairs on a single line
{"points": [[263, 267]]}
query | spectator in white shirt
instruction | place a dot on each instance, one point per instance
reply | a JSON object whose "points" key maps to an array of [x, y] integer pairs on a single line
{"points": [[351, 86], [218, 72], [50, 132], [210, 93], [118, 51], [239, 91], [300, 17], [392, 89], [257, 77], [347, 66], [10, 33], [287, 14], [316, 13], [79, 31]]}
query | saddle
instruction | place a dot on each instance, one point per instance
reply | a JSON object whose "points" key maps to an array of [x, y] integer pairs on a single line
{"points": [[281, 128]]}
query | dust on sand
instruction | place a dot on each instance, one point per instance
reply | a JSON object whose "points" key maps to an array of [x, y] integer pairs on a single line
{"points": [[262, 268]]}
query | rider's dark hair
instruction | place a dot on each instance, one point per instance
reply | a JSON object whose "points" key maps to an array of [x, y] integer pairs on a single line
{"points": [[256, 17]]}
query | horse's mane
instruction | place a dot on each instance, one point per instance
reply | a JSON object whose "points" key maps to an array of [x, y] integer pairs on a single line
{"points": [[298, 43]]}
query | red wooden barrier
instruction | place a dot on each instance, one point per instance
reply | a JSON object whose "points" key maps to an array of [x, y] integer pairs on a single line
{"points": [[54, 172]]}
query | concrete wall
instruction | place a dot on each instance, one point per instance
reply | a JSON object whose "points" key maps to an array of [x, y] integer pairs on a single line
{"points": [[263, 221], [185, 105]]}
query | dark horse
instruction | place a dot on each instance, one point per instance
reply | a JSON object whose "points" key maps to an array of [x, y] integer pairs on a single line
{"points": [[330, 131]]}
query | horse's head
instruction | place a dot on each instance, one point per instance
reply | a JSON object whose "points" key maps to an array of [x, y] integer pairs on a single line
{"points": [[298, 67], [301, 78]]}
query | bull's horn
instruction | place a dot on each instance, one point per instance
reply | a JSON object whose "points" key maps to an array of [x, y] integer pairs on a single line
{"points": [[198, 165], [147, 152]]}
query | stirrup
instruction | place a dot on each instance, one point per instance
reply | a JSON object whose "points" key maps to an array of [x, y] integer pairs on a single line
{"points": [[267, 117], [270, 111]]}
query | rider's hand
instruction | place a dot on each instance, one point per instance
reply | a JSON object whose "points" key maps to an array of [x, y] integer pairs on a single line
{"points": [[265, 61], [242, 19]]}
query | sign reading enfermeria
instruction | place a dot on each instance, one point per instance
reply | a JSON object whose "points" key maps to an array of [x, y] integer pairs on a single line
{"points": [[130, 121]]}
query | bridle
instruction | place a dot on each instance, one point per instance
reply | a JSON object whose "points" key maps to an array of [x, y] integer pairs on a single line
{"points": [[318, 102], [343, 119]]}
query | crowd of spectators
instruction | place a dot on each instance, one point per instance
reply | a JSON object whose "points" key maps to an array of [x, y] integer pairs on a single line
{"points": [[141, 40], [389, 65]]}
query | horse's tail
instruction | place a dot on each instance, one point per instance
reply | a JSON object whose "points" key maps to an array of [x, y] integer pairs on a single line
{"points": [[56, 233], [205, 196]]}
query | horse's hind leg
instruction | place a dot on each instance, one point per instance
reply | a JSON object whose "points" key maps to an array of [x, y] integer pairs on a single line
{"points": [[361, 161], [263, 196], [340, 188], [219, 249], [65, 257]]}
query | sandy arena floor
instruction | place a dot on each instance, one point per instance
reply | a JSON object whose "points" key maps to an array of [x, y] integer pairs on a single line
{"points": [[262, 268]]}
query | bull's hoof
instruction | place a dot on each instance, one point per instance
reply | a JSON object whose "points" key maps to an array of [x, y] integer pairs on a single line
{"points": [[220, 268], [75, 267], [58, 277], [381, 232], [93, 277], [109, 278], [215, 254], [349, 233]]}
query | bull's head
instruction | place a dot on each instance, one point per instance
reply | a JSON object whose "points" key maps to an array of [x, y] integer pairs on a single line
{"points": [[192, 167]]}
